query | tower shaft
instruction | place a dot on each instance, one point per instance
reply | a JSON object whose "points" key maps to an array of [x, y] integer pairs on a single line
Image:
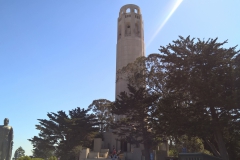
{"points": [[130, 40]]}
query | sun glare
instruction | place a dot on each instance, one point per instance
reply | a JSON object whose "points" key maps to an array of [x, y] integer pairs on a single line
{"points": [[173, 9]]}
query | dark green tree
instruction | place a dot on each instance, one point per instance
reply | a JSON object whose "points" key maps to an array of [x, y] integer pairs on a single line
{"points": [[144, 72], [189, 144], [62, 133], [52, 158], [24, 158], [202, 83], [102, 110], [29, 158], [135, 126], [198, 83], [19, 153]]}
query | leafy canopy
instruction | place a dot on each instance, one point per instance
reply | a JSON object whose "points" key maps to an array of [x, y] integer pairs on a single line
{"points": [[63, 133]]}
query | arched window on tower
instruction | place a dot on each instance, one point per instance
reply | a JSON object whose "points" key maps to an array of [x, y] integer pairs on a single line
{"points": [[128, 10], [128, 29], [119, 32], [137, 29]]}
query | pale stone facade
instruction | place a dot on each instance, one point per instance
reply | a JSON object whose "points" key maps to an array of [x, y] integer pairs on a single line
{"points": [[130, 40], [130, 46]]}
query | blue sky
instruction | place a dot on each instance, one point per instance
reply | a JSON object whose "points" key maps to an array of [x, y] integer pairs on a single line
{"points": [[59, 55]]}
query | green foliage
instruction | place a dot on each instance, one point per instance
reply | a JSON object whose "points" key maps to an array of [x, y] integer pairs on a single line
{"points": [[62, 133], [173, 152], [192, 144], [198, 87], [135, 127], [145, 71], [102, 110], [189, 144], [24, 158], [201, 80], [52, 158], [29, 158], [233, 143], [19, 153], [76, 151]]}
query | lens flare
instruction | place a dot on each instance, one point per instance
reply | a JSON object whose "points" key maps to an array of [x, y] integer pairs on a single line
{"points": [[175, 6]]}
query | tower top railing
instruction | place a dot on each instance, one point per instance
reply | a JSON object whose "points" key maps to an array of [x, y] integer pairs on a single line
{"points": [[130, 8]]}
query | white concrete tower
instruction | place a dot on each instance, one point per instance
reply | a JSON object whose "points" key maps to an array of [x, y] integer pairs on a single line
{"points": [[130, 40]]}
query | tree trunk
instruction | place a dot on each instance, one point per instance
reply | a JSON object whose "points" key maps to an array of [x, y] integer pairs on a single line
{"points": [[218, 134], [214, 150], [221, 145]]}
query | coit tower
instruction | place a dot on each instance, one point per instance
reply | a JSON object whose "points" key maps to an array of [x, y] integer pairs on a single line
{"points": [[130, 40]]}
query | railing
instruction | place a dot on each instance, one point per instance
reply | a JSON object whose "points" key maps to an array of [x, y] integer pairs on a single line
{"points": [[196, 156]]}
